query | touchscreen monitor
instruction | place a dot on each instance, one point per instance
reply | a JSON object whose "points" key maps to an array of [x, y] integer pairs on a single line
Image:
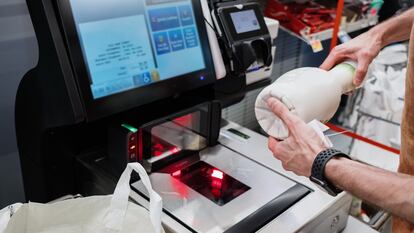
{"points": [[132, 43], [127, 53]]}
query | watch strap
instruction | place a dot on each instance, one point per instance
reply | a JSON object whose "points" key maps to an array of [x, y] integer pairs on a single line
{"points": [[318, 169]]}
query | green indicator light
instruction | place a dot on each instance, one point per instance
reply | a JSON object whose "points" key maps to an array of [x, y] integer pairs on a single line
{"points": [[130, 128]]}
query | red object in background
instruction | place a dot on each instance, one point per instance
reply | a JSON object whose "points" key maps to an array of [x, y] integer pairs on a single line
{"points": [[301, 18], [338, 19], [361, 138]]}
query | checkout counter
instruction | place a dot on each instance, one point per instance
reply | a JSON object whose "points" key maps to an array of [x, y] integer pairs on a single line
{"points": [[145, 81]]}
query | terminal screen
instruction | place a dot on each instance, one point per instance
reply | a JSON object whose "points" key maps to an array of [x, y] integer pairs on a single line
{"points": [[245, 21], [128, 44]]}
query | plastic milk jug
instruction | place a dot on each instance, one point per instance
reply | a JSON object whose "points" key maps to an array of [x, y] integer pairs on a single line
{"points": [[310, 93]]}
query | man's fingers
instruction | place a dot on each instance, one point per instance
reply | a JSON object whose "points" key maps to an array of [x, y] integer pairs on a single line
{"points": [[333, 58], [280, 110], [272, 143], [328, 63], [361, 71]]}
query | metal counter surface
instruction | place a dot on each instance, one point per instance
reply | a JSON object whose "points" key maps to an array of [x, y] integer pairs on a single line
{"points": [[308, 213], [306, 210]]}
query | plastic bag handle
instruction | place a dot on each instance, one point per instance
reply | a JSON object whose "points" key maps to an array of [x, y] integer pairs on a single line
{"points": [[6, 213], [119, 203]]}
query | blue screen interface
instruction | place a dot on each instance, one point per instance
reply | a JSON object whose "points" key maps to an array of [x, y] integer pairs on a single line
{"points": [[128, 44]]}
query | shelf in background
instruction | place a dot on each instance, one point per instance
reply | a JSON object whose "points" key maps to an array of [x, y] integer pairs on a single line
{"points": [[327, 34]]}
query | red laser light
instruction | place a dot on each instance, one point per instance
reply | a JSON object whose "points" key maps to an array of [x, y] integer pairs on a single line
{"points": [[176, 173], [175, 150], [185, 121], [217, 174], [216, 183]]}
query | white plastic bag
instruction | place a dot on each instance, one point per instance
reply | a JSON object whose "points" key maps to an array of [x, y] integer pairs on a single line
{"points": [[6, 214], [112, 213]]}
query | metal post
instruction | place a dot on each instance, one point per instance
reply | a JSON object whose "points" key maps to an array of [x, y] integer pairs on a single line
{"points": [[338, 19]]}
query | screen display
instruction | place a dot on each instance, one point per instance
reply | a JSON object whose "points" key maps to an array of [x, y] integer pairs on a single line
{"points": [[245, 21], [137, 42]]}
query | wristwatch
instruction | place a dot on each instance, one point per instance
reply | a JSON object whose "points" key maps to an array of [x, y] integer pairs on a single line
{"points": [[318, 170]]}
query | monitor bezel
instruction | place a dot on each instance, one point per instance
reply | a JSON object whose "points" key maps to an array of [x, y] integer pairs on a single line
{"points": [[129, 99]]}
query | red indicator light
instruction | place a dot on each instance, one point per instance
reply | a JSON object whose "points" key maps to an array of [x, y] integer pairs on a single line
{"points": [[176, 173], [132, 138], [217, 174], [132, 157]]}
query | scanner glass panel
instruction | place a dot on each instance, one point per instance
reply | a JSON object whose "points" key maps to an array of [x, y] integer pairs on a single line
{"points": [[136, 43], [211, 182], [173, 137]]}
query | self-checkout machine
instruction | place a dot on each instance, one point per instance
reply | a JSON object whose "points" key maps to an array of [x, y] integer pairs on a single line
{"points": [[125, 81]]}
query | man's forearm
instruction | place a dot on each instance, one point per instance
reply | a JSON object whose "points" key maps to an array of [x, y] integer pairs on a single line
{"points": [[391, 191], [395, 29]]}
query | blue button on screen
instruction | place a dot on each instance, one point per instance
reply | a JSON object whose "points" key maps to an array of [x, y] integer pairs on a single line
{"points": [[186, 15], [176, 39], [190, 37], [164, 18], [142, 79], [161, 43]]}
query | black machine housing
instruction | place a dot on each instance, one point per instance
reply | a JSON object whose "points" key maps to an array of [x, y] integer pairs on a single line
{"points": [[71, 143], [129, 144], [58, 122]]}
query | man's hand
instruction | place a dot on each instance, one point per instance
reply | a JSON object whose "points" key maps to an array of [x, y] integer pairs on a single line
{"points": [[298, 151], [362, 49]]}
